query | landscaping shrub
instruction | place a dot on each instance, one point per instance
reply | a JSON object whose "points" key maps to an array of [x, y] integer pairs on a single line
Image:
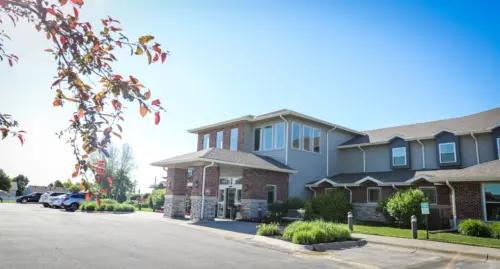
{"points": [[402, 205], [91, 206], [330, 207], [304, 232], [271, 229], [131, 202], [75, 188], [472, 227], [123, 208], [109, 206], [83, 206], [495, 230], [134, 196], [158, 197], [108, 201], [101, 208]]}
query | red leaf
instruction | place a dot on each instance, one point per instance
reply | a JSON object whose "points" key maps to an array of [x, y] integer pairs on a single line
{"points": [[62, 39], [56, 82], [110, 182], [157, 118], [163, 57], [119, 44], [51, 11], [156, 48], [12, 18], [10, 62], [155, 58], [21, 138], [22, 131], [77, 2], [119, 127], [105, 22], [117, 77], [155, 102], [76, 13], [63, 2], [121, 118], [115, 29]]}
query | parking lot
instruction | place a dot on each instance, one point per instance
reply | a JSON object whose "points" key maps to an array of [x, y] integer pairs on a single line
{"points": [[36, 237]]}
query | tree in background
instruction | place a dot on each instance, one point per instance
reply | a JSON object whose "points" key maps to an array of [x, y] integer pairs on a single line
{"points": [[74, 188], [158, 198], [22, 182], [58, 184], [4, 181], [51, 185], [67, 184], [84, 53]]}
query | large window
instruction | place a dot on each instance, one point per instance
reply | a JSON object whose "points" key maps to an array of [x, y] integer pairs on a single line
{"points": [[219, 142], [234, 139], [431, 194], [307, 138], [447, 153], [295, 135], [271, 194], [399, 156], [267, 138], [256, 139], [279, 135], [374, 195], [491, 194], [206, 140], [316, 140]]}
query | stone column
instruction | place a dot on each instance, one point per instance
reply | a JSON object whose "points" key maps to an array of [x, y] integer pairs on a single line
{"points": [[175, 198], [211, 189]]}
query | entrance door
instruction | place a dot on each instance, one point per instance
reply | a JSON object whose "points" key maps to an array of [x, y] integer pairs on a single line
{"points": [[230, 198]]}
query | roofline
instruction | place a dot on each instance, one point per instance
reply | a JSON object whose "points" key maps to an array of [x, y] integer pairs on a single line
{"points": [[412, 138], [467, 178], [251, 118]]}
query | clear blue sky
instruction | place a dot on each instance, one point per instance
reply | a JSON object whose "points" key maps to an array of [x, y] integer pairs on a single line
{"points": [[361, 64]]}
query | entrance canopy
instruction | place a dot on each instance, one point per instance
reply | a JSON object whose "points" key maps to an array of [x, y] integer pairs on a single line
{"points": [[224, 157]]}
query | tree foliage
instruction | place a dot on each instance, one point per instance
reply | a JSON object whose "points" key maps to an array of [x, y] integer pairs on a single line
{"points": [[4, 181], [402, 205], [158, 198], [58, 184], [332, 206], [22, 182], [84, 53]]}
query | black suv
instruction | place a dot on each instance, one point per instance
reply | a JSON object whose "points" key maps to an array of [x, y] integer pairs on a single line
{"points": [[30, 198]]}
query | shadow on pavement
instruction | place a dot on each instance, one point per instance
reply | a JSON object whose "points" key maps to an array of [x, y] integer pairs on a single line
{"points": [[232, 226]]}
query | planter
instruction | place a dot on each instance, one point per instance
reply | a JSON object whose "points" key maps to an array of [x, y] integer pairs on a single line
{"points": [[315, 247], [106, 212]]}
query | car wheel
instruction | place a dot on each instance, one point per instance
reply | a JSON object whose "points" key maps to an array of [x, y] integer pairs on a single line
{"points": [[24, 201], [74, 207], [45, 205]]}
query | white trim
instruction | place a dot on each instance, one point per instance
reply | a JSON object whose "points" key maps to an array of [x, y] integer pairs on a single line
{"points": [[404, 150], [208, 141], [498, 147], [275, 135], [454, 151], [300, 136], [413, 179], [368, 194], [275, 192], [263, 135], [221, 139], [395, 136], [423, 153], [435, 193], [319, 146], [364, 158], [249, 166], [304, 138], [477, 147], [369, 178], [315, 184], [231, 138], [326, 189], [287, 137], [442, 130]]}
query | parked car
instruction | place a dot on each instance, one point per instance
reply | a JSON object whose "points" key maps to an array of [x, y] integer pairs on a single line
{"points": [[53, 200], [44, 199], [72, 201], [57, 203], [30, 198]]}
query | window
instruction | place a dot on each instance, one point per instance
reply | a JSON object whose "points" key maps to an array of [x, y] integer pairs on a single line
{"points": [[447, 153], [206, 139], [374, 195], [498, 147], [221, 195], [238, 196], [218, 143], [279, 134], [271, 194], [399, 156], [267, 138], [234, 139], [491, 199], [190, 172], [237, 181], [431, 194], [225, 181], [256, 139], [307, 138], [316, 140], [295, 135]]}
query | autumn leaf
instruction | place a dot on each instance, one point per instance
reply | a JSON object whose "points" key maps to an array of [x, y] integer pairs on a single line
{"points": [[156, 48], [133, 80], [157, 118], [117, 77], [119, 44], [77, 2], [84, 156], [155, 58], [143, 40], [10, 62], [163, 57], [76, 13], [105, 22], [47, 35], [21, 139], [71, 100], [75, 174], [119, 128], [56, 82], [139, 51], [62, 39], [51, 11], [147, 95], [56, 102], [143, 110], [116, 134], [49, 50], [115, 29], [149, 56], [38, 28], [5, 132], [81, 113], [63, 2], [155, 102]]}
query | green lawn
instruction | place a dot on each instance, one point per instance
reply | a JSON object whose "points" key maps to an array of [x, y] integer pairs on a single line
{"points": [[441, 237], [9, 201], [144, 209]]}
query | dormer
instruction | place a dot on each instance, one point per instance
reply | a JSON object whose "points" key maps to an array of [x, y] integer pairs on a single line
{"points": [[399, 150], [447, 148]]}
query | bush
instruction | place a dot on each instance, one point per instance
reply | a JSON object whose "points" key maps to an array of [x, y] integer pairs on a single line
{"points": [[123, 208], [402, 205], [83, 206], [330, 207], [134, 196], [495, 230], [131, 202], [91, 206], [75, 188], [108, 201], [158, 197], [304, 232], [109, 207], [271, 229], [101, 208], [146, 196], [294, 203], [473, 227]]}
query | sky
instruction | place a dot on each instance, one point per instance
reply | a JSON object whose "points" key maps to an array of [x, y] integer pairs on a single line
{"points": [[361, 64]]}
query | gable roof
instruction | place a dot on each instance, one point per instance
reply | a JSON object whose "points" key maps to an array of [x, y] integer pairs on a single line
{"points": [[484, 171], [228, 157], [480, 122], [274, 114]]}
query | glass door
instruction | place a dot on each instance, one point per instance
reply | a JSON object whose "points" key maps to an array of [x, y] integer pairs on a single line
{"points": [[221, 204], [230, 201]]}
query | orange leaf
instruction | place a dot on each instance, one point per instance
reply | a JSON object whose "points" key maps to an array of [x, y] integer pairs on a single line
{"points": [[155, 58], [76, 13], [147, 95], [77, 2], [163, 57], [143, 110], [63, 2], [119, 44], [149, 56], [51, 11], [115, 29], [48, 35], [56, 102], [81, 113], [75, 174], [84, 156], [157, 118]]}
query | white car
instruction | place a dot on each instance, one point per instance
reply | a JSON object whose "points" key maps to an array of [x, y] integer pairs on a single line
{"points": [[55, 201], [44, 199]]}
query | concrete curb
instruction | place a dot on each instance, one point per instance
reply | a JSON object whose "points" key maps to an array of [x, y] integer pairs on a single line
{"points": [[315, 247], [106, 212], [339, 245]]}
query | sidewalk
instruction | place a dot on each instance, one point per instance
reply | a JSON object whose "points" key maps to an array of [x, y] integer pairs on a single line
{"points": [[437, 248]]}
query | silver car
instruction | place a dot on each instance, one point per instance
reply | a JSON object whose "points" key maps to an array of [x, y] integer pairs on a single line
{"points": [[72, 201], [44, 199], [53, 200]]}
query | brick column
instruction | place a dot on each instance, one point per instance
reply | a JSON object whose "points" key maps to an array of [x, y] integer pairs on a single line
{"points": [[211, 188], [175, 198]]}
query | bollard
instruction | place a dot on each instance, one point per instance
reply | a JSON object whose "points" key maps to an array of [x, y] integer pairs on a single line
{"points": [[349, 221], [414, 234]]}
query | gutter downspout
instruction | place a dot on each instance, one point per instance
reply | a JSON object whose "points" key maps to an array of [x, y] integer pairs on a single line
{"points": [[364, 158], [350, 193], [313, 191], [423, 153], [477, 147], [394, 187], [328, 152], [454, 204], [203, 188], [286, 139]]}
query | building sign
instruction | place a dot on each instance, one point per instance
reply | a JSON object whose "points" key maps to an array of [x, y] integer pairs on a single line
{"points": [[424, 207], [207, 191]]}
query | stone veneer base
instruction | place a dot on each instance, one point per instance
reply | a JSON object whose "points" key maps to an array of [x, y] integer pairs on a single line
{"points": [[209, 208], [175, 206], [250, 208]]}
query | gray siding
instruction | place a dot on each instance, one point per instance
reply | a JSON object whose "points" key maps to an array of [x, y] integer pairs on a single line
{"points": [[336, 138], [496, 135], [431, 157], [486, 147], [397, 143], [468, 151], [350, 160], [416, 155], [377, 158], [248, 138]]}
